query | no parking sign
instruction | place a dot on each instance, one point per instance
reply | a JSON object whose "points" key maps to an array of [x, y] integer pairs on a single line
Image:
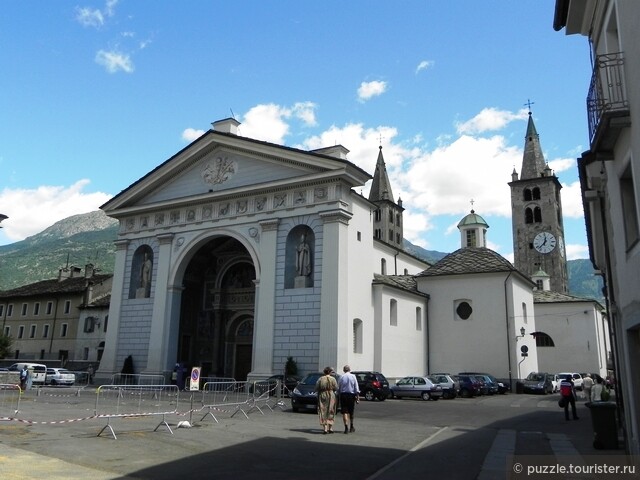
{"points": [[194, 383]]}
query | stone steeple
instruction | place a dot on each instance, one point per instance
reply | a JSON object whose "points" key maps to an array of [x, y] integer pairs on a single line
{"points": [[387, 220], [533, 163], [381, 187]]}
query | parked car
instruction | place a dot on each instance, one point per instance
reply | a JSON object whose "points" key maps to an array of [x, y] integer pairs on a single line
{"points": [[538, 382], [469, 386], [576, 377], [59, 376], [555, 382], [304, 394], [491, 385], [450, 386], [417, 387], [37, 371], [373, 385]]}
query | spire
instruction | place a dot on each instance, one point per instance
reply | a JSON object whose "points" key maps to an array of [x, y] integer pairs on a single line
{"points": [[533, 163], [381, 187]]}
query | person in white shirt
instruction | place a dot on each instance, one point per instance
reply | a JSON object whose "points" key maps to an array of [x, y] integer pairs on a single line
{"points": [[349, 396]]}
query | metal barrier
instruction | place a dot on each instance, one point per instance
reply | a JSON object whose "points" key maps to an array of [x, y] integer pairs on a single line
{"points": [[113, 401], [9, 400], [137, 379], [242, 396]]}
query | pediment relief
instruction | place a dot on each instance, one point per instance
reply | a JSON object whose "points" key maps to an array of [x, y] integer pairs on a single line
{"points": [[221, 170]]}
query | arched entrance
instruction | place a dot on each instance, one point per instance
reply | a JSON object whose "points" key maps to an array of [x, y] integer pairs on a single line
{"points": [[217, 310]]}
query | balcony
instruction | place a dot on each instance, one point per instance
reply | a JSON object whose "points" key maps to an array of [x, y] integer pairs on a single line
{"points": [[607, 103]]}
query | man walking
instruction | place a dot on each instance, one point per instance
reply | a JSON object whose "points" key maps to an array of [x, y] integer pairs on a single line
{"points": [[568, 393], [349, 391]]}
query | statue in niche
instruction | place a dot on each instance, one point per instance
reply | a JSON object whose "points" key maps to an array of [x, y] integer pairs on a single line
{"points": [[303, 257], [144, 289]]}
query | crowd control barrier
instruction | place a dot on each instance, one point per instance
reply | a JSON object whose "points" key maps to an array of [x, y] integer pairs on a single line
{"points": [[9, 400], [137, 379], [242, 397], [122, 401]]}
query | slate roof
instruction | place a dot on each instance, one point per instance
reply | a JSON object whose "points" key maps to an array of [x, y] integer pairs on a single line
{"points": [[54, 287], [469, 260], [547, 296], [101, 302], [403, 282]]}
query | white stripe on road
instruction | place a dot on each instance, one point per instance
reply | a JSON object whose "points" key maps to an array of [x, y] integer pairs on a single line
{"points": [[399, 459], [494, 466]]}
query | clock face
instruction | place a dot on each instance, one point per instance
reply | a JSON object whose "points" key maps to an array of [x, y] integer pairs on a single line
{"points": [[544, 242]]}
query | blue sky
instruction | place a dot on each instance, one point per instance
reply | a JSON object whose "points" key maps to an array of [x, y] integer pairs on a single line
{"points": [[95, 94]]}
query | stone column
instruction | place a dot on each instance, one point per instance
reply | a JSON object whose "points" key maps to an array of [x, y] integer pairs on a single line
{"points": [[163, 303], [108, 364], [334, 302], [264, 317]]}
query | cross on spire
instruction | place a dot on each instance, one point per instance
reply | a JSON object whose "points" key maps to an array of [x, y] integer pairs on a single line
{"points": [[472, 201], [528, 105], [380, 137]]}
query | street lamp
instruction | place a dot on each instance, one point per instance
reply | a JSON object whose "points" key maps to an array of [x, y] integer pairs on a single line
{"points": [[522, 332]]}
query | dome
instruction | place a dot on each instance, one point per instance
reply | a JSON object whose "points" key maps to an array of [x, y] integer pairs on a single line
{"points": [[472, 219]]}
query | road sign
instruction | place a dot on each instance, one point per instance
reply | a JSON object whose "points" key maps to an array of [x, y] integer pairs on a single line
{"points": [[194, 383]]}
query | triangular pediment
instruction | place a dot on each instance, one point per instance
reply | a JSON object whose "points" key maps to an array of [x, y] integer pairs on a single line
{"points": [[221, 164]]}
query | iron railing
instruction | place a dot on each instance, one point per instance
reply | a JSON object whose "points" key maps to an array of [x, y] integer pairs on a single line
{"points": [[607, 92]]}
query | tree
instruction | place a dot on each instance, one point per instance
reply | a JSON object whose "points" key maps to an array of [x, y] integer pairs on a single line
{"points": [[5, 345], [291, 367]]}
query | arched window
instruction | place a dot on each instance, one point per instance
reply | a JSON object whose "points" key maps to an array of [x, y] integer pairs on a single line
{"points": [[357, 335], [393, 313], [528, 216], [543, 340], [536, 193], [537, 215], [383, 266], [527, 195], [418, 319]]}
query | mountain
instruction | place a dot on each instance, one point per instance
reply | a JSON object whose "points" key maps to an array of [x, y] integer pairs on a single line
{"points": [[76, 240], [89, 237]]}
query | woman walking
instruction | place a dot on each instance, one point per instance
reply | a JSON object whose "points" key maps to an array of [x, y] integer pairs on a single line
{"points": [[326, 387]]}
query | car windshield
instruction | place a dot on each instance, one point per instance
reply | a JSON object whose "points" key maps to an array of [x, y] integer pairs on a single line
{"points": [[537, 377], [311, 379]]}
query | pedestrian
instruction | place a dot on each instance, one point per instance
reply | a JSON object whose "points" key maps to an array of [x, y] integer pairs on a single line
{"points": [[349, 396], [90, 372], [568, 393], [24, 375], [326, 387], [596, 390], [587, 384]]}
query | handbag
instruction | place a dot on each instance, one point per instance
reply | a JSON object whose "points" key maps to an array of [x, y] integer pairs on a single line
{"points": [[562, 402]]}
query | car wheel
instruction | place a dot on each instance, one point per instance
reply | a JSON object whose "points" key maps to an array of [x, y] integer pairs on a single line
{"points": [[295, 409], [369, 396], [53, 382], [425, 396], [464, 393]]}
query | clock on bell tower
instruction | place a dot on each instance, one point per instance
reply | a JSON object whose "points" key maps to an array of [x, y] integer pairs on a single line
{"points": [[536, 216]]}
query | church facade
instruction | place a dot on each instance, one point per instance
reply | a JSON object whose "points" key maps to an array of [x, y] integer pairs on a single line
{"points": [[236, 254]]}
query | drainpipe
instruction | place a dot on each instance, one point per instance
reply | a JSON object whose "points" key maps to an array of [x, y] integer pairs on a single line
{"points": [[53, 330], [506, 317], [426, 327]]}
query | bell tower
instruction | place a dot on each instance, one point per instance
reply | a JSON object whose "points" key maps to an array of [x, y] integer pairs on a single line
{"points": [[387, 217], [536, 216]]}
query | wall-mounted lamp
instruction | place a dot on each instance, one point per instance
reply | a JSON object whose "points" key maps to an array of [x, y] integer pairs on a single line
{"points": [[522, 332]]}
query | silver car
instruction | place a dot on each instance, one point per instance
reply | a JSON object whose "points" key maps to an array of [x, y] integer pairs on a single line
{"points": [[417, 387]]}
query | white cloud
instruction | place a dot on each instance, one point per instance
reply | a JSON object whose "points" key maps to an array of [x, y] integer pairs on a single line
{"points": [[305, 111], [572, 200], [423, 65], [576, 251], [372, 89], [562, 164], [269, 121], [32, 210], [93, 17], [88, 17], [190, 134], [114, 61], [489, 119]]}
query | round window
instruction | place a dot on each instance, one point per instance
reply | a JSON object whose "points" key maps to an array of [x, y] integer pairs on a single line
{"points": [[464, 310]]}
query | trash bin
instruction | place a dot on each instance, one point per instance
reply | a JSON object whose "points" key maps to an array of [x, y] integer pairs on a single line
{"points": [[519, 387], [605, 428]]}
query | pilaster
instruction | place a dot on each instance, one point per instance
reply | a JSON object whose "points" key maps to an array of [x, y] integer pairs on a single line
{"points": [[264, 316]]}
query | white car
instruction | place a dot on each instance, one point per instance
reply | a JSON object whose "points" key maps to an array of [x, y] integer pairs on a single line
{"points": [[555, 381], [60, 376], [577, 379]]}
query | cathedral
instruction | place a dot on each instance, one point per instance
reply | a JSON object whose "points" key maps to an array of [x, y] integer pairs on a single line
{"points": [[236, 254]]}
